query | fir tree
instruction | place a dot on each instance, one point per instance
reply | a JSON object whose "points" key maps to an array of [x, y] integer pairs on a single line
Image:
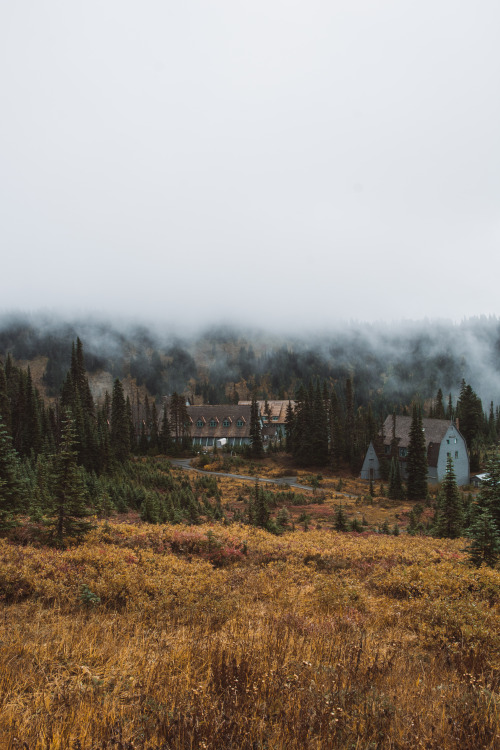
{"points": [[4, 400], [349, 437], [12, 493], [289, 427], [335, 431], [154, 434], [68, 515], [341, 522], [256, 447], [261, 511], [165, 436], [417, 458], [484, 547], [396, 489], [439, 412], [179, 421], [470, 414], [120, 432], [449, 518], [319, 429], [489, 495]]}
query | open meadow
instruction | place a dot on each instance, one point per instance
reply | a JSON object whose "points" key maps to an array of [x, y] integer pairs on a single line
{"points": [[213, 636]]}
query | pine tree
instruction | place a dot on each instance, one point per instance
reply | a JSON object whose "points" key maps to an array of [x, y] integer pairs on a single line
{"points": [[120, 432], [449, 517], [4, 400], [349, 437], [489, 495], [179, 421], [335, 429], [261, 511], [396, 489], [492, 427], [68, 515], [131, 427], [154, 434], [484, 547], [341, 522], [319, 429], [289, 427], [256, 447], [439, 412], [165, 436], [417, 458], [470, 414], [12, 493]]}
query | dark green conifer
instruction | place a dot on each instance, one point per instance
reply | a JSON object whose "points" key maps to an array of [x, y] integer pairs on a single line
{"points": [[120, 430], [449, 518], [154, 434], [256, 446], [68, 515], [260, 509], [12, 491], [417, 458], [4, 400], [289, 427], [489, 495], [484, 546], [439, 412], [341, 522], [396, 489], [165, 435]]}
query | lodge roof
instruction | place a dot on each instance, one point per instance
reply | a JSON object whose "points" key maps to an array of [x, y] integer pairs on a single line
{"points": [[277, 409], [219, 413]]}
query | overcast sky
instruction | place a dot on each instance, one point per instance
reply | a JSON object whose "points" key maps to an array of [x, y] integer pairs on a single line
{"points": [[265, 161]]}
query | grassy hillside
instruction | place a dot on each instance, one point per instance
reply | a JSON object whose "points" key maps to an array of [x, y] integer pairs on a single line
{"points": [[229, 637]]}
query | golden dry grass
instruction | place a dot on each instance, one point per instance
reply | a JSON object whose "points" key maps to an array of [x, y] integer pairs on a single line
{"points": [[227, 637]]}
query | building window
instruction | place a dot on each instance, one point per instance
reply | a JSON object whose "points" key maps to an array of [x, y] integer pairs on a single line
{"points": [[239, 423], [275, 419], [226, 423], [456, 454], [213, 423], [200, 423], [387, 450], [448, 455], [448, 441], [403, 452]]}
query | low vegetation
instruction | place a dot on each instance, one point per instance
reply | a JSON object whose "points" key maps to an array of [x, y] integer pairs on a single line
{"points": [[168, 636]]}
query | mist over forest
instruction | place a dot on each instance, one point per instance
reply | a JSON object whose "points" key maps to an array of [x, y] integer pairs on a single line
{"points": [[389, 364]]}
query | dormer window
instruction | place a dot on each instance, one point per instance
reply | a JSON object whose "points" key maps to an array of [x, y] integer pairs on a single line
{"points": [[239, 423], [200, 423], [226, 423], [213, 423]]}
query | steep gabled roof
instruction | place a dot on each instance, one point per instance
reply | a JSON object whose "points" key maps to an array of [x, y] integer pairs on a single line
{"points": [[278, 409], [220, 412], [434, 432]]}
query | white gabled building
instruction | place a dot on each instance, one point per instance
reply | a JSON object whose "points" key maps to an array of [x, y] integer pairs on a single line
{"points": [[442, 439]]}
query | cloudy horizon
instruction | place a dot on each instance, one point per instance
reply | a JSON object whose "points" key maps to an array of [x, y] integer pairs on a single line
{"points": [[271, 163]]}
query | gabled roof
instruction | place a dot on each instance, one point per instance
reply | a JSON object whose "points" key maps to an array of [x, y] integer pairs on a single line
{"points": [[219, 412], [434, 430], [277, 409]]}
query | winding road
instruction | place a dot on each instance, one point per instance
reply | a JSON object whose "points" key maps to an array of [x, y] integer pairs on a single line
{"points": [[185, 463]]}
